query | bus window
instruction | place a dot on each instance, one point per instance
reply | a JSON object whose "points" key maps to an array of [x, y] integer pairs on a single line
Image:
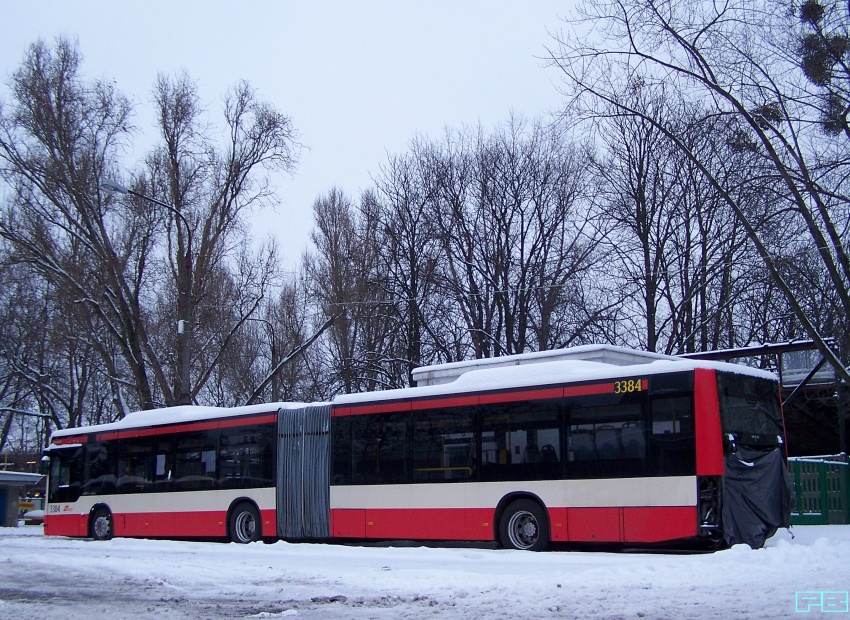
{"points": [[521, 441], [749, 409], [673, 447], [443, 445], [164, 464], [66, 475], [246, 458], [379, 449], [100, 467], [341, 450], [607, 442], [136, 463], [195, 462]]}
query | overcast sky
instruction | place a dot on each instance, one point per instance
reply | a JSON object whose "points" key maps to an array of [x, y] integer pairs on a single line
{"points": [[359, 79]]}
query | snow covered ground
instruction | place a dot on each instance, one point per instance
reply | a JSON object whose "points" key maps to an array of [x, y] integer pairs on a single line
{"points": [[58, 578]]}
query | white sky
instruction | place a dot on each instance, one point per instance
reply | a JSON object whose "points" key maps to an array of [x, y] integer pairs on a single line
{"points": [[359, 79]]}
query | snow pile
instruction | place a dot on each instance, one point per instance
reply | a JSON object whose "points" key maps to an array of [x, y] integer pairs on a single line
{"points": [[62, 578]]}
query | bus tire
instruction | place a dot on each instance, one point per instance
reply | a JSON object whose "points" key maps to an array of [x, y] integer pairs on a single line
{"points": [[102, 526], [245, 524], [524, 526]]}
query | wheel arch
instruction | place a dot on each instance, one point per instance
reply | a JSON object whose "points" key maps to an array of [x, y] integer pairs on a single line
{"points": [[237, 502], [94, 509], [509, 499], [92, 512]]}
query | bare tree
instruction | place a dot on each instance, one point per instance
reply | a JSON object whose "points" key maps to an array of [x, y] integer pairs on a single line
{"points": [[56, 141], [515, 236], [120, 270], [408, 259], [342, 273], [210, 190], [741, 64]]}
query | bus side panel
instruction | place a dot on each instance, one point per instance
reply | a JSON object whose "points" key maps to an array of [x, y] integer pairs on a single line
{"points": [[134, 524], [269, 519], [348, 523], [164, 524], [558, 524], [709, 435], [211, 523], [65, 525], [594, 524], [657, 524], [430, 523]]}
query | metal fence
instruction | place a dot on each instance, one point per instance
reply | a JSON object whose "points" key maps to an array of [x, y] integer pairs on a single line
{"points": [[822, 485]]}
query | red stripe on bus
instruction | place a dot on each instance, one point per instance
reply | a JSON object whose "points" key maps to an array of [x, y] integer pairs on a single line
{"points": [[475, 399], [379, 407], [510, 397], [605, 524], [442, 403], [589, 390], [187, 427], [237, 422], [709, 435], [211, 523], [61, 441], [421, 524]]}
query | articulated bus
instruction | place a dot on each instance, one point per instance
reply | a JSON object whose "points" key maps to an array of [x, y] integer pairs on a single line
{"points": [[534, 452]]}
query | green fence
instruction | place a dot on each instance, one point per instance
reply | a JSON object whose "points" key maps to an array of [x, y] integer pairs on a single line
{"points": [[823, 491]]}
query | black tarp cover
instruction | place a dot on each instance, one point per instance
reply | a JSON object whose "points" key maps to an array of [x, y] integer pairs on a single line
{"points": [[757, 492]]}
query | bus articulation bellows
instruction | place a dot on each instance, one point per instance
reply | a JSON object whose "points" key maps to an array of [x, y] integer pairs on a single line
{"points": [[529, 451]]}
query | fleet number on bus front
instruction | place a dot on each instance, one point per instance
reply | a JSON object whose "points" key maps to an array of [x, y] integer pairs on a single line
{"points": [[627, 386]]}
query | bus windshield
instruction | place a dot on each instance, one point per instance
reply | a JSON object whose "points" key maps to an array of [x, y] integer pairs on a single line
{"points": [[749, 408]]}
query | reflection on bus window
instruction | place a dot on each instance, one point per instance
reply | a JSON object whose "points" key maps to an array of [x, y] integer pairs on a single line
{"points": [[673, 449], [443, 445], [607, 441], [521, 441]]}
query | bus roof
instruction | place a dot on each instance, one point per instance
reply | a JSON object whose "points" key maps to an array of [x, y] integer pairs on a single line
{"points": [[604, 353], [526, 370], [549, 373], [175, 415]]}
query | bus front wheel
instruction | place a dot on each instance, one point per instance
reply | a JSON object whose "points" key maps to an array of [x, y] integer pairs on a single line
{"points": [[524, 526], [101, 524], [245, 524]]}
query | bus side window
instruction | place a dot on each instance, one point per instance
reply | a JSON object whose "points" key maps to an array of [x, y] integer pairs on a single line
{"points": [[195, 465], [245, 458], [135, 465], [380, 449], [164, 464], [521, 441], [101, 459], [607, 441], [341, 450], [66, 475], [444, 445], [672, 442]]}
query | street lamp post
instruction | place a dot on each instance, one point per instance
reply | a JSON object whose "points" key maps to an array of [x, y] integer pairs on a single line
{"points": [[184, 324]]}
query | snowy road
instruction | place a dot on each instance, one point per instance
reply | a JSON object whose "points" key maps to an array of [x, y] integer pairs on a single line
{"points": [[57, 578]]}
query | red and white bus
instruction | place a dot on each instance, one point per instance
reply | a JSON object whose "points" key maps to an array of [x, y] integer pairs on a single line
{"points": [[533, 452]]}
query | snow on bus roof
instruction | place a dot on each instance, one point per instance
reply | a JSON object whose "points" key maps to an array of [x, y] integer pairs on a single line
{"points": [[515, 372], [549, 373], [176, 415]]}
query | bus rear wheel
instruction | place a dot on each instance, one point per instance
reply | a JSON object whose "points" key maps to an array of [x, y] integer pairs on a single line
{"points": [[524, 526], [245, 524], [101, 524]]}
